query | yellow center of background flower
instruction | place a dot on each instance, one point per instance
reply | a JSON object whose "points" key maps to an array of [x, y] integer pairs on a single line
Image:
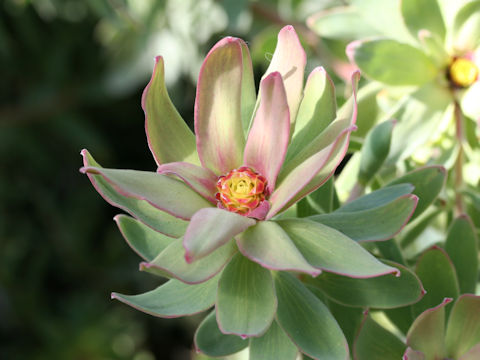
{"points": [[241, 190], [463, 72]]}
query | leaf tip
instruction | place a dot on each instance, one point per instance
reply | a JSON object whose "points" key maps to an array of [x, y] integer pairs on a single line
{"points": [[351, 48], [144, 266]]}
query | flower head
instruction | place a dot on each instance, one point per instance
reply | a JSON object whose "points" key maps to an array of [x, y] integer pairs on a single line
{"points": [[241, 191], [462, 72]]}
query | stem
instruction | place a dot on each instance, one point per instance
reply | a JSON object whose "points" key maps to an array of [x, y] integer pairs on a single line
{"points": [[459, 205]]}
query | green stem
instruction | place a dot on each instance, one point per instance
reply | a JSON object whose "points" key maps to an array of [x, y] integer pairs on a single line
{"points": [[459, 204]]}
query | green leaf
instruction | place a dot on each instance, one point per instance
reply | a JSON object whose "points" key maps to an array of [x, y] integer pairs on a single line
{"points": [[463, 330], [269, 245], [161, 191], [377, 198], [427, 332], [428, 182], [273, 345], [349, 318], [385, 17], [392, 63], [374, 342], [169, 137], [383, 292], [425, 14], [317, 110], [172, 261], [376, 224], [212, 342], [418, 116], [436, 271], [145, 241], [410, 235], [402, 317], [341, 23], [466, 27], [461, 246], [314, 165], [307, 320], [249, 97], [209, 229], [246, 301], [328, 249], [375, 150], [173, 299], [141, 209], [368, 108], [390, 250], [322, 200]]}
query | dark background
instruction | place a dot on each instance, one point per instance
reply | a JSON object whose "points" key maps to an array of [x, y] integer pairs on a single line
{"points": [[71, 77]]}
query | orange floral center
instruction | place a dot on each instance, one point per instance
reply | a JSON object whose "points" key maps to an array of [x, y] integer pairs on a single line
{"points": [[241, 190], [463, 72]]}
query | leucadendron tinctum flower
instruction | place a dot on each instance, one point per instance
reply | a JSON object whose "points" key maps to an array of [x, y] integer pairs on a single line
{"points": [[209, 218]]}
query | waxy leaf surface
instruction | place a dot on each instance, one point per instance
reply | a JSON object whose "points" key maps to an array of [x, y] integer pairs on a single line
{"points": [[374, 342], [145, 241], [436, 271], [270, 132], [273, 345], [427, 332], [167, 194], [382, 292], [428, 181], [218, 110], [407, 65], [328, 249], [375, 150], [463, 331], [169, 137], [307, 320], [317, 110], [212, 342], [141, 209], [209, 229], [269, 245], [380, 223], [246, 301], [174, 298], [461, 246], [172, 261], [425, 14], [289, 59]]}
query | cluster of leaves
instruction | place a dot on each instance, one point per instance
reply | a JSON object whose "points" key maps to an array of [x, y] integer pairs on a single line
{"points": [[245, 265]]}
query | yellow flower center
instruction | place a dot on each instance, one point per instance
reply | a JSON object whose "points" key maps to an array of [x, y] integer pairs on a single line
{"points": [[463, 72], [241, 190]]}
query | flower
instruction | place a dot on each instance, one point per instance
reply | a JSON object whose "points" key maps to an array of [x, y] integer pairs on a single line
{"points": [[210, 218]]}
